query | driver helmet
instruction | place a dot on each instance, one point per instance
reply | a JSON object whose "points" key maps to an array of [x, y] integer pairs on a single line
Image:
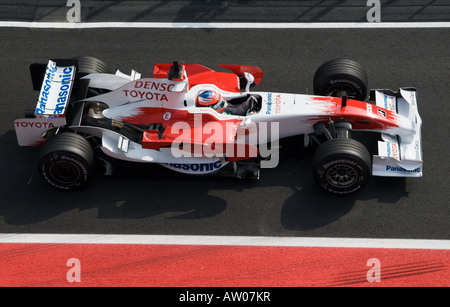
{"points": [[211, 99]]}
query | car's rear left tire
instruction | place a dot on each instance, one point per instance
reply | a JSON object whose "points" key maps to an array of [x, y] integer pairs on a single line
{"points": [[91, 65]]}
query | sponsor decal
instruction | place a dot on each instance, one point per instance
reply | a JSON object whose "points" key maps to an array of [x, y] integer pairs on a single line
{"points": [[339, 161], [29, 131], [46, 87], [276, 105], [417, 149], [389, 103], [269, 103], [149, 90], [156, 86], [196, 167], [66, 80], [55, 91], [412, 97], [354, 84], [399, 169], [38, 125], [392, 150], [369, 108], [145, 95]]}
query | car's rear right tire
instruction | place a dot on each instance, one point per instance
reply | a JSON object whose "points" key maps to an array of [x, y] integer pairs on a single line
{"points": [[66, 161]]}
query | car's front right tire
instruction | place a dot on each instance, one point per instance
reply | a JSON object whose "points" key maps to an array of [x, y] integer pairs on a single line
{"points": [[342, 166]]}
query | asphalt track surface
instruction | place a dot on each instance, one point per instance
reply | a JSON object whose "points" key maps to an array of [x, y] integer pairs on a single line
{"points": [[285, 202], [226, 11]]}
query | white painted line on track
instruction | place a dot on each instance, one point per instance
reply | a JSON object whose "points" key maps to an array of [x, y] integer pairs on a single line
{"points": [[225, 240], [224, 25]]}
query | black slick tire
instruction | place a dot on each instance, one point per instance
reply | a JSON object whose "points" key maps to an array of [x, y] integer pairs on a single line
{"points": [[342, 166], [341, 77], [91, 65], [66, 161]]}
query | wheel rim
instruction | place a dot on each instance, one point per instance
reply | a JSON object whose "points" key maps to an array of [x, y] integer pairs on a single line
{"points": [[350, 91], [342, 175], [65, 172]]}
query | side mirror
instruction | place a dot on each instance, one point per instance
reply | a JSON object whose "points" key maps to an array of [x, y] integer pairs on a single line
{"points": [[250, 80]]}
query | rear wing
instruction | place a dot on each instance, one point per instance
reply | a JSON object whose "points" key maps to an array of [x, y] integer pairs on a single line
{"points": [[56, 82], [400, 151], [55, 90]]}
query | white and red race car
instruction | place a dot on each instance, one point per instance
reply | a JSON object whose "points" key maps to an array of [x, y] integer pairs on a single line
{"points": [[194, 120]]}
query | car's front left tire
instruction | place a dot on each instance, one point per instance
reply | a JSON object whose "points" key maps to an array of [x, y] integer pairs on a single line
{"points": [[341, 77]]}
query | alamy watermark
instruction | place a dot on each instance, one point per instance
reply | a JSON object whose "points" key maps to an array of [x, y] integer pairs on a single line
{"points": [[74, 273], [74, 14], [374, 273], [244, 140], [374, 14]]}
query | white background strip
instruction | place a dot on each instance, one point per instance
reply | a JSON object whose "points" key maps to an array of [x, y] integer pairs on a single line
{"points": [[226, 25], [225, 240]]}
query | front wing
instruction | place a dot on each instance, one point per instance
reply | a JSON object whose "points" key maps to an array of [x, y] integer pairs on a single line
{"points": [[400, 154]]}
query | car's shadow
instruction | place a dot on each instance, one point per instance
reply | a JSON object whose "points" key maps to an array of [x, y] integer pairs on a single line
{"points": [[155, 191]]}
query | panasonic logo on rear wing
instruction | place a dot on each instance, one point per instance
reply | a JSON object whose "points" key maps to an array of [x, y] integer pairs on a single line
{"points": [[55, 91]]}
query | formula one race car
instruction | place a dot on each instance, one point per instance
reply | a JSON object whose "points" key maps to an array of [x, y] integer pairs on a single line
{"points": [[194, 120]]}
